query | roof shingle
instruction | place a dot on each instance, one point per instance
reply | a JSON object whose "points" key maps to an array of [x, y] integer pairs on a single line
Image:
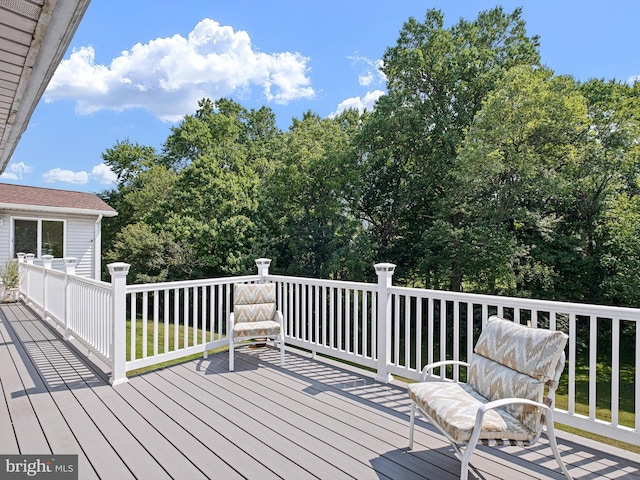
{"points": [[49, 197]]}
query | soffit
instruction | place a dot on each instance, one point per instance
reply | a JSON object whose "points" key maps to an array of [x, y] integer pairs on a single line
{"points": [[34, 35]]}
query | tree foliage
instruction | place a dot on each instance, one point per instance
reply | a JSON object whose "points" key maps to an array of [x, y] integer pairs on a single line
{"points": [[479, 170]]}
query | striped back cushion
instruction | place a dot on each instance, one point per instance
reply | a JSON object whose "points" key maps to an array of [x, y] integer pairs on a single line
{"points": [[495, 381], [532, 351], [254, 302], [513, 360]]}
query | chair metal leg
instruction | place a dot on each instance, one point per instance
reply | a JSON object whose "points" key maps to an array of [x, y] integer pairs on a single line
{"points": [[231, 356], [551, 435], [464, 470], [281, 351], [412, 422]]}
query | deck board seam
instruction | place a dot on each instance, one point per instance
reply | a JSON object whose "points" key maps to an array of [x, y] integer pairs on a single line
{"points": [[326, 431], [70, 389], [166, 373], [144, 378]]}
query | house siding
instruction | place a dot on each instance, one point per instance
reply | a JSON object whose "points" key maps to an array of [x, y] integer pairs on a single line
{"points": [[80, 241], [5, 230]]}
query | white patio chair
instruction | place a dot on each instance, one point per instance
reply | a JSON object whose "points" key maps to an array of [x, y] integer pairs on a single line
{"points": [[504, 401], [255, 318]]}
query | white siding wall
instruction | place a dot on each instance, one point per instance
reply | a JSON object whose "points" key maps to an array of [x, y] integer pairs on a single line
{"points": [[79, 239], [5, 230], [81, 244]]}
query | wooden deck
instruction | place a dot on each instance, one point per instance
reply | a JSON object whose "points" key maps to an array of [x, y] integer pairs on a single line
{"points": [[312, 419]]}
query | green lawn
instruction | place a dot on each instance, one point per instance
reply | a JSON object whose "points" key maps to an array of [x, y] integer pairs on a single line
{"points": [[161, 337]]}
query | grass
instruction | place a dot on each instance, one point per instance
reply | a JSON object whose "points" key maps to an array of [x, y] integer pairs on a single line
{"points": [[626, 416], [172, 344]]}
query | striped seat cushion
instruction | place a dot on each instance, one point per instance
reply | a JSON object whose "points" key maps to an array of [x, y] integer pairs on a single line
{"points": [[454, 406], [256, 329]]}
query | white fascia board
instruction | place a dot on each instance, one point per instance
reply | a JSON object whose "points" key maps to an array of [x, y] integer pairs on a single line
{"points": [[58, 210]]}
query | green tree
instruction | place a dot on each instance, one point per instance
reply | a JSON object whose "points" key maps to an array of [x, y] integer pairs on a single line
{"points": [[313, 233], [128, 160], [516, 174], [437, 80], [610, 201], [219, 154], [150, 254]]}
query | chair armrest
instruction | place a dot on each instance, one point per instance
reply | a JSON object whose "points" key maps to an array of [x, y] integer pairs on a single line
{"points": [[477, 428], [280, 320], [232, 320], [427, 368]]}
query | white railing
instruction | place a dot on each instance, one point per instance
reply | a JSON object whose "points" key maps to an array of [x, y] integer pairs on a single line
{"points": [[391, 330], [80, 306], [433, 325], [166, 321], [329, 317], [89, 315]]}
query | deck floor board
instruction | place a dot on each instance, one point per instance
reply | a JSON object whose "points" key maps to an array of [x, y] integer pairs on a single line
{"points": [[312, 419]]}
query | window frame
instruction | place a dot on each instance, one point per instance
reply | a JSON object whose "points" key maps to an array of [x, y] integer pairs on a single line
{"points": [[38, 221]]}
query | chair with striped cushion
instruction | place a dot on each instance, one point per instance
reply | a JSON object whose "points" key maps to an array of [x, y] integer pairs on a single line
{"points": [[255, 318], [503, 402]]}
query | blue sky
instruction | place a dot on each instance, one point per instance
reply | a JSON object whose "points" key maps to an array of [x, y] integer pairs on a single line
{"points": [[135, 67]]}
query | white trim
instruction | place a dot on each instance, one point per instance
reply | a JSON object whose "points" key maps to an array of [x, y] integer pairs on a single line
{"points": [[56, 210], [97, 247], [38, 221]]}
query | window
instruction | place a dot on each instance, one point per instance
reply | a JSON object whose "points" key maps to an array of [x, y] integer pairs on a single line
{"points": [[40, 237], [52, 238]]}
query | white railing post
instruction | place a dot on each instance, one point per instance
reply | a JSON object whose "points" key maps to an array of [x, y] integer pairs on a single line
{"points": [[70, 265], [69, 269], [47, 262], [118, 273], [263, 268], [383, 338], [21, 286], [29, 259]]}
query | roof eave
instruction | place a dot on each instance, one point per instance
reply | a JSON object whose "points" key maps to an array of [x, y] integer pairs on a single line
{"points": [[57, 26], [56, 210]]}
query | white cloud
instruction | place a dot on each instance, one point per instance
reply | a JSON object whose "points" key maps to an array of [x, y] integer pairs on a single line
{"points": [[634, 79], [371, 70], [66, 176], [366, 79], [360, 104], [101, 173], [169, 75], [16, 171]]}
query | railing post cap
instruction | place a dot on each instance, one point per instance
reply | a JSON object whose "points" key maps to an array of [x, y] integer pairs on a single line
{"points": [[118, 268], [30, 255], [70, 260], [20, 256], [46, 258], [385, 268], [263, 262]]}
